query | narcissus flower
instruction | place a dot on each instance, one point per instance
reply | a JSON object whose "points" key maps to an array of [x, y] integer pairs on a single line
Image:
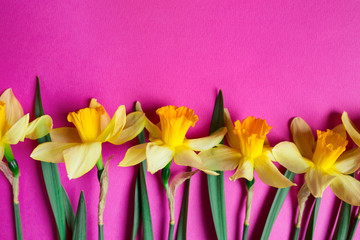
{"points": [[324, 162], [249, 150], [80, 147], [168, 141], [14, 125]]}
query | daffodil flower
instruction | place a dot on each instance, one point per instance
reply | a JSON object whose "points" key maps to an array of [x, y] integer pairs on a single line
{"points": [[80, 147], [324, 162], [14, 125], [249, 150], [168, 141]]}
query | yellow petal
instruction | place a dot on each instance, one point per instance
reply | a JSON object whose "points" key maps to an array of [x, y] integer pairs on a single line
{"points": [[303, 137], [134, 155], [317, 181], [158, 156], [347, 189], [1, 151], [288, 155], [105, 118], [13, 109], [65, 135], [115, 126], [135, 123], [221, 158], [231, 137], [340, 129], [245, 170], [269, 174], [185, 156], [348, 162], [51, 151], [17, 132], [81, 158], [205, 143], [350, 128], [39, 127], [154, 131]]}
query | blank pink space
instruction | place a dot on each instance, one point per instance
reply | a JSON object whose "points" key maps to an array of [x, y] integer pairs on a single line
{"points": [[274, 60]]}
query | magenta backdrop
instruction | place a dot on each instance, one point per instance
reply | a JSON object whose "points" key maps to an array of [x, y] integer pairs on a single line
{"points": [[272, 59]]}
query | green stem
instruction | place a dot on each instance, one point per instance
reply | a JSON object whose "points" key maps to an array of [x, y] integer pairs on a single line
{"points": [[250, 193], [100, 167], [312, 222], [296, 233], [171, 231], [17, 209], [101, 231], [165, 175], [354, 226], [12, 163]]}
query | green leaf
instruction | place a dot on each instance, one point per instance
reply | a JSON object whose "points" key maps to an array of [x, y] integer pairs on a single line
{"points": [[354, 226], [343, 222], [216, 183], [182, 225], [51, 176], [141, 200], [69, 211], [312, 222], [277, 203], [80, 219]]}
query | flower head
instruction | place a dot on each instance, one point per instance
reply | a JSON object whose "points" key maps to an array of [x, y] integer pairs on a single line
{"points": [[248, 150], [168, 141], [324, 162], [15, 126], [80, 147]]}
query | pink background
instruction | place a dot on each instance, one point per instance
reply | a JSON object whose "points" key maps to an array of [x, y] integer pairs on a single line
{"points": [[272, 59]]}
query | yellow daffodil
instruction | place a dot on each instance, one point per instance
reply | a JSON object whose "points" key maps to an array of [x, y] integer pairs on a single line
{"points": [[14, 125], [324, 162], [80, 147], [168, 141], [248, 150]]}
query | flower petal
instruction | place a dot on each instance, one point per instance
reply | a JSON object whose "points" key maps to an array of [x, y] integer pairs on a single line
{"points": [[115, 126], [340, 129], [154, 131], [348, 162], [245, 170], [269, 174], [13, 109], [105, 118], [135, 123], [350, 128], [347, 189], [51, 151], [158, 156], [65, 135], [185, 156], [303, 137], [81, 158], [1, 151], [231, 137], [134, 155], [205, 143], [39, 127], [17, 132], [317, 181], [221, 158], [288, 155]]}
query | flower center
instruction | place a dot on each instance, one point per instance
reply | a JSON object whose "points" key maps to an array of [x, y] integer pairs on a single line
{"points": [[2, 119], [175, 122], [252, 134], [87, 122], [330, 145]]}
